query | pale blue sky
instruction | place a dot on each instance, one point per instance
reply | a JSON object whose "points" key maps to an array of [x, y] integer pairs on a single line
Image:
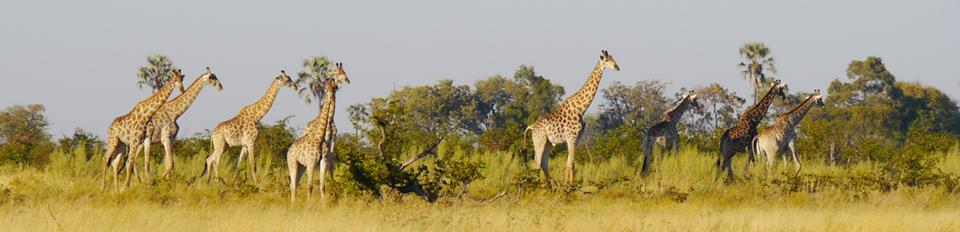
{"points": [[79, 58]]}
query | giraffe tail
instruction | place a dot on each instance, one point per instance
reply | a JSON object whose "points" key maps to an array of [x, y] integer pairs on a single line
{"points": [[755, 145], [525, 133], [647, 155]]}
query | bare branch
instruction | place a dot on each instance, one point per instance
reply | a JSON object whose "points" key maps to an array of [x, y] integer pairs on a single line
{"points": [[429, 151]]}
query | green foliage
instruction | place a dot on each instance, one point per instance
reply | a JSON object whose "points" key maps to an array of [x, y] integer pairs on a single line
{"points": [[721, 110], [23, 135], [875, 117], [274, 140], [156, 73], [639, 106], [916, 162], [89, 142]]}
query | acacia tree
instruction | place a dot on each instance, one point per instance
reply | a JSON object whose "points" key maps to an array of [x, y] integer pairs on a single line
{"points": [[312, 78], [757, 59], [156, 73]]}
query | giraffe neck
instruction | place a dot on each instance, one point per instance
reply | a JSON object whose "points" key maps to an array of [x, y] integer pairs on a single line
{"points": [[259, 109], [581, 100], [181, 103], [146, 108], [756, 113], [677, 112], [317, 128], [793, 117]]}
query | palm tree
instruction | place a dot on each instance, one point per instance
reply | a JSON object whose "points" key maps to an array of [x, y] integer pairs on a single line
{"points": [[312, 78], [756, 57], [156, 73]]}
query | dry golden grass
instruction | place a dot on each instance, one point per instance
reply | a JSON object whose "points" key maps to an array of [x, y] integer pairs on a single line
{"points": [[680, 196], [577, 216]]}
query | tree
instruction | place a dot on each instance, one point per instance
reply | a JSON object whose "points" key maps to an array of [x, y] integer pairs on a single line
{"points": [[507, 106], [311, 79], [721, 109], [757, 59], [156, 73], [639, 106], [23, 135], [81, 139]]}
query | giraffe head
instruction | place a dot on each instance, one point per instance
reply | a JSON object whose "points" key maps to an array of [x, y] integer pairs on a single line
{"points": [[779, 89], [286, 81], [176, 77], [692, 99], [339, 75], [818, 99], [212, 79], [608, 61]]}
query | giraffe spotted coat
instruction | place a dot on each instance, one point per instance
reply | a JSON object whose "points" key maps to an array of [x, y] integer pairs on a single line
{"points": [[564, 124], [737, 139]]}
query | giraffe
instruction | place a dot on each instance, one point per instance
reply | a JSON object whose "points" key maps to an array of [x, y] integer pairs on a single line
{"points": [[315, 144], [664, 133], [126, 132], [564, 124], [241, 130], [163, 126], [738, 138], [782, 135]]}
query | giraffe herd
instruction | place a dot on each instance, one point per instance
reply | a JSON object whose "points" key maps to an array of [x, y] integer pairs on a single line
{"points": [[155, 120]]}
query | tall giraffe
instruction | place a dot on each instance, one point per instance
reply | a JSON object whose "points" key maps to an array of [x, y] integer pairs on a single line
{"points": [[782, 135], [315, 144], [163, 125], [564, 124], [126, 132], [738, 138], [241, 130], [665, 132]]}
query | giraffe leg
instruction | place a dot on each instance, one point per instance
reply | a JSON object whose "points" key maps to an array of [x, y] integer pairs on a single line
{"points": [[541, 149], [676, 145], [293, 167], [219, 145], [724, 162], [323, 171], [131, 163], [253, 161], [571, 161], [146, 156], [647, 155], [112, 145], [750, 160], [243, 153], [167, 156], [309, 183], [796, 157]]}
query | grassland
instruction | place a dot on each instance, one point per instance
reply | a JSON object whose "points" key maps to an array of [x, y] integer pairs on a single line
{"points": [[681, 195]]}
